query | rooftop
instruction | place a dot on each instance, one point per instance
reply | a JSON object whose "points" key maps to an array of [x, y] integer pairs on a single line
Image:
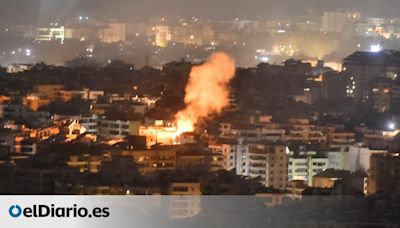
{"points": [[382, 58]]}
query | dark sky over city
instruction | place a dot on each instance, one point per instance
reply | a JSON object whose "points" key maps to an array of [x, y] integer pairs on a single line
{"points": [[33, 11]]}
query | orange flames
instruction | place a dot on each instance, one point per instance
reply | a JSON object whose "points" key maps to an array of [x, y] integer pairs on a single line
{"points": [[206, 92]]}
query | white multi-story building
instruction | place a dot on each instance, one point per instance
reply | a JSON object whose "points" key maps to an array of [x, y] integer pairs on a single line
{"points": [[338, 160], [113, 33], [271, 132], [267, 132], [300, 130], [118, 128], [52, 33], [359, 158], [338, 156], [303, 165], [235, 155], [269, 163], [90, 123], [162, 35], [333, 21]]}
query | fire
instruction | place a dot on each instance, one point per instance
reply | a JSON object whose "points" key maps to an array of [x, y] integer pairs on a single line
{"points": [[184, 125], [206, 92]]}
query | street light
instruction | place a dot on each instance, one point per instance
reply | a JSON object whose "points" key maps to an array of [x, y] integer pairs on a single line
{"points": [[392, 125]]}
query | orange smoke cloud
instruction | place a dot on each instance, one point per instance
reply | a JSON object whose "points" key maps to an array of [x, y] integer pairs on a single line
{"points": [[207, 91]]}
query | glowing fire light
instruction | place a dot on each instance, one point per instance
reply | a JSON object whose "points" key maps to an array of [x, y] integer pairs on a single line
{"points": [[184, 125], [207, 91]]}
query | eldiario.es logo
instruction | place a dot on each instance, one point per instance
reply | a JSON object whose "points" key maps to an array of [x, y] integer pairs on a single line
{"points": [[42, 211]]}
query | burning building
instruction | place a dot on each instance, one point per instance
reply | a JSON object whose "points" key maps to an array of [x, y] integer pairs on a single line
{"points": [[160, 133], [207, 92]]}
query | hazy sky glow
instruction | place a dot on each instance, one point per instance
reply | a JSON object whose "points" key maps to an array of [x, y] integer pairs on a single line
{"points": [[31, 11]]}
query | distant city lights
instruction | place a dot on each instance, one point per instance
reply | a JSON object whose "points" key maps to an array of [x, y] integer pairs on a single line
{"points": [[28, 52], [81, 18], [376, 47], [392, 126]]}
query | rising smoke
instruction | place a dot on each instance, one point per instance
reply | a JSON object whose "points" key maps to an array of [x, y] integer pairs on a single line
{"points": [[207, 91]]}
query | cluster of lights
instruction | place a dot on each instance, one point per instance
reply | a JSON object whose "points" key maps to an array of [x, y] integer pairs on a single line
{"points": [[261, 55], [81, 18], [350, 88], [89, 51], [26, 52], [287, 50]]}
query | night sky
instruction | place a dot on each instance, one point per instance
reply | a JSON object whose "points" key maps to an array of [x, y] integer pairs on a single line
{"points": [[33, 11]]}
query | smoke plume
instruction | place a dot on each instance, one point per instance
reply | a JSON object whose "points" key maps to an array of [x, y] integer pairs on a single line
{"points": [[207, 91]]}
